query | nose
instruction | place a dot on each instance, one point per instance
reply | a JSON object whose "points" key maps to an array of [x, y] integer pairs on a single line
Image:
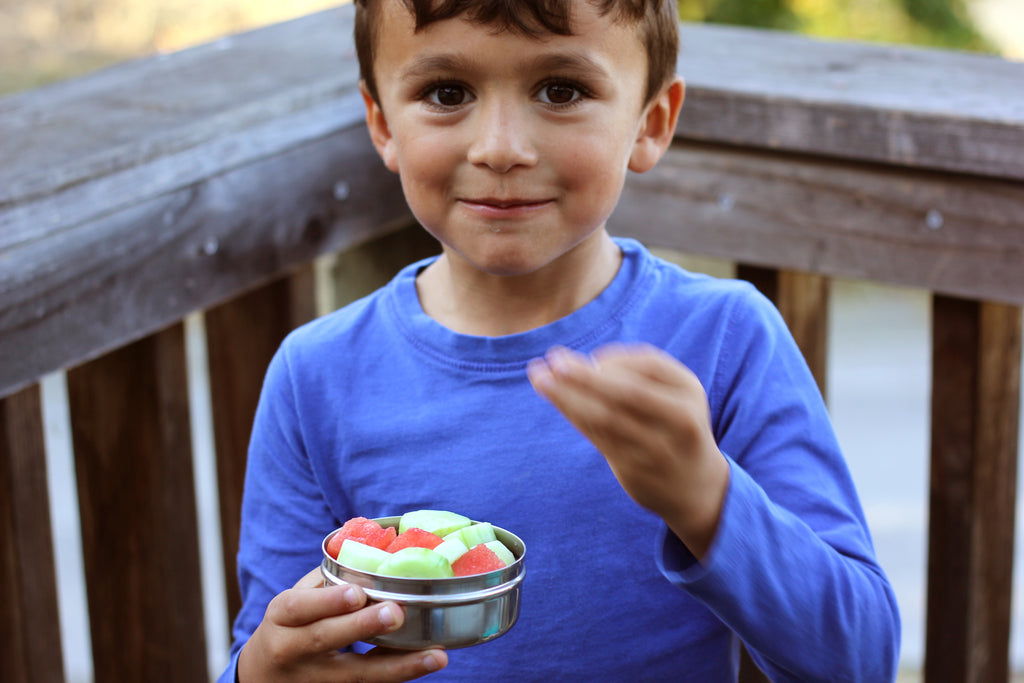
{"points": [[501, 138]]}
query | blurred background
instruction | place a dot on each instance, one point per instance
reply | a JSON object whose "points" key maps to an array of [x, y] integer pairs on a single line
{"points": [[878, 373], [46, 40]]}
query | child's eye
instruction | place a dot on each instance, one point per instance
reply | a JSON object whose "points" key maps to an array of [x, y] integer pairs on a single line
{"points": [[447, 95], [561, 93]]}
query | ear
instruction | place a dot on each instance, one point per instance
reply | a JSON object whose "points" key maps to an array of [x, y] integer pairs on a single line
{"points": [[380, 134], [657, 127]]}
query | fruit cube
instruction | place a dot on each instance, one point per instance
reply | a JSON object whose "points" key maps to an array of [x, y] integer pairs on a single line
{"points": [[414, 538], [438, 522], [477, 560], [503, 553], [452, 548], [360, 556], [365, 531], [474, 534], [416, 563]]}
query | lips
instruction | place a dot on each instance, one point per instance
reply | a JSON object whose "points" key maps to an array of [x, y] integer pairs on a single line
{"points": [[497, 207], [504, 203]]}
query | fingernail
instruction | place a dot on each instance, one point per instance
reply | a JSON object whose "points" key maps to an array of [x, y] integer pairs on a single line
{"points": [[539, 374], [558, 360], [431, 662], [349, 596], [387, 614]]}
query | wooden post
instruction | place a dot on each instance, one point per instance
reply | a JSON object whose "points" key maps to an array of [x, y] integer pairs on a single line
{"points": [[30, 643], [974, 426], [242, 336], [133, 455], [802, 299]]}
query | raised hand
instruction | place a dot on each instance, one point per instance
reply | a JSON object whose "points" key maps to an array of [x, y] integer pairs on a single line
{"points": [[648, 414]]}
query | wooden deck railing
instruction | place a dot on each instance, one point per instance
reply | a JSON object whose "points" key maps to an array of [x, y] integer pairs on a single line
{"points": [[211, 180]]}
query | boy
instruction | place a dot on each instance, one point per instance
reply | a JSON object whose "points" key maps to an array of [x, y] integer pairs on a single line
{"points": [[654, 436]]}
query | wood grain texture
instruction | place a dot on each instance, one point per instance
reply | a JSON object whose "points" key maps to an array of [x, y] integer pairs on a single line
{"points": [[242, 336], [216, 169], [30, 639], [951, 234], [803, 302], [130, 431], [895, 105], [108, 279], [974, 431]]}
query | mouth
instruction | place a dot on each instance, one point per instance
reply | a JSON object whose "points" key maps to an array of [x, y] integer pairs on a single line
{"points": [[497, 203], [504, 209]]}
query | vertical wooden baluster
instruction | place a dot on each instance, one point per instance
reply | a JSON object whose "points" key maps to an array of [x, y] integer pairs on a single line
{"points": [[974, 429], [802, 299], [242, 336], [30, 642], [133, 456], [359, 271]]}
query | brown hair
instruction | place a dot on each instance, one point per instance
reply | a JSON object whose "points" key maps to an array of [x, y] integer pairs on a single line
{"points": [[657, 19]]}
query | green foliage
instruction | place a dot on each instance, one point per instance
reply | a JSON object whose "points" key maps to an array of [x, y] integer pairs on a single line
{"points": [[760, 13], [946, 20], [939, 23]]}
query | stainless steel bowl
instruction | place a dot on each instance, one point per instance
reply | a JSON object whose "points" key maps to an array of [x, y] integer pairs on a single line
{"points": [[449, 613]]}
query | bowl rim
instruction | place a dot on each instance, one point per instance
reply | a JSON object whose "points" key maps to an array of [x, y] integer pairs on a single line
{"points": [[509, 573]]}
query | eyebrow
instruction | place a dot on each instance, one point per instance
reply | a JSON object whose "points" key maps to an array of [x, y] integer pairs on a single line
{"points": [[556, 61], [569, 61], [432, 64]]}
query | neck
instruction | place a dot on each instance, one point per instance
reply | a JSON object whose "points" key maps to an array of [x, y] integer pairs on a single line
{"points": [[469, 301]]}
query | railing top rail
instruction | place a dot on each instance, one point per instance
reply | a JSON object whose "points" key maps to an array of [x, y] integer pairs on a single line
{"points": [[921, 108]]}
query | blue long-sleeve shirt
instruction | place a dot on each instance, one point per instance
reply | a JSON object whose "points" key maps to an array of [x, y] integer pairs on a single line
{"points": [[377, 409]]}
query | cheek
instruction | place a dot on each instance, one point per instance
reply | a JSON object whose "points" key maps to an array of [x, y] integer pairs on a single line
{"points": [[598, 169], [423, 163]]}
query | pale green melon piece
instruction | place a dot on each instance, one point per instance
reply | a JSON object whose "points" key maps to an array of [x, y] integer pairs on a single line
{"points": [[416, 563], [438, 522], [475, 534], [360, 556], [503, 553], [452, 547]]}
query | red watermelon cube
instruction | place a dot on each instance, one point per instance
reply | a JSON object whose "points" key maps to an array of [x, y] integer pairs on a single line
{"points": [[414, 538], [477, 560], [365, 531]]}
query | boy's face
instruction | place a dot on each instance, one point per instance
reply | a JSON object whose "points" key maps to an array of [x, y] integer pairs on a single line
{"points": [[511, 150]]}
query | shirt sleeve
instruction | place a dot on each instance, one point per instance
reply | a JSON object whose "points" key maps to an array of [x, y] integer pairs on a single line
{"points": [[284, 514], [791, 569]]}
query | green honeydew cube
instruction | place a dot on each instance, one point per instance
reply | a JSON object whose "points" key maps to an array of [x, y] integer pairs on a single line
{"points": [[476, 534], [440, 522], [360, 556], [416, 563], [503, 553], [452, 547]]}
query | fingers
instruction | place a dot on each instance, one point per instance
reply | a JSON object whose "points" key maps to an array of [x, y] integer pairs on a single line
{"points": [[321, 619], [643, 410], [617, 384], [382, 664], [306, 626], [306, 604]]}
